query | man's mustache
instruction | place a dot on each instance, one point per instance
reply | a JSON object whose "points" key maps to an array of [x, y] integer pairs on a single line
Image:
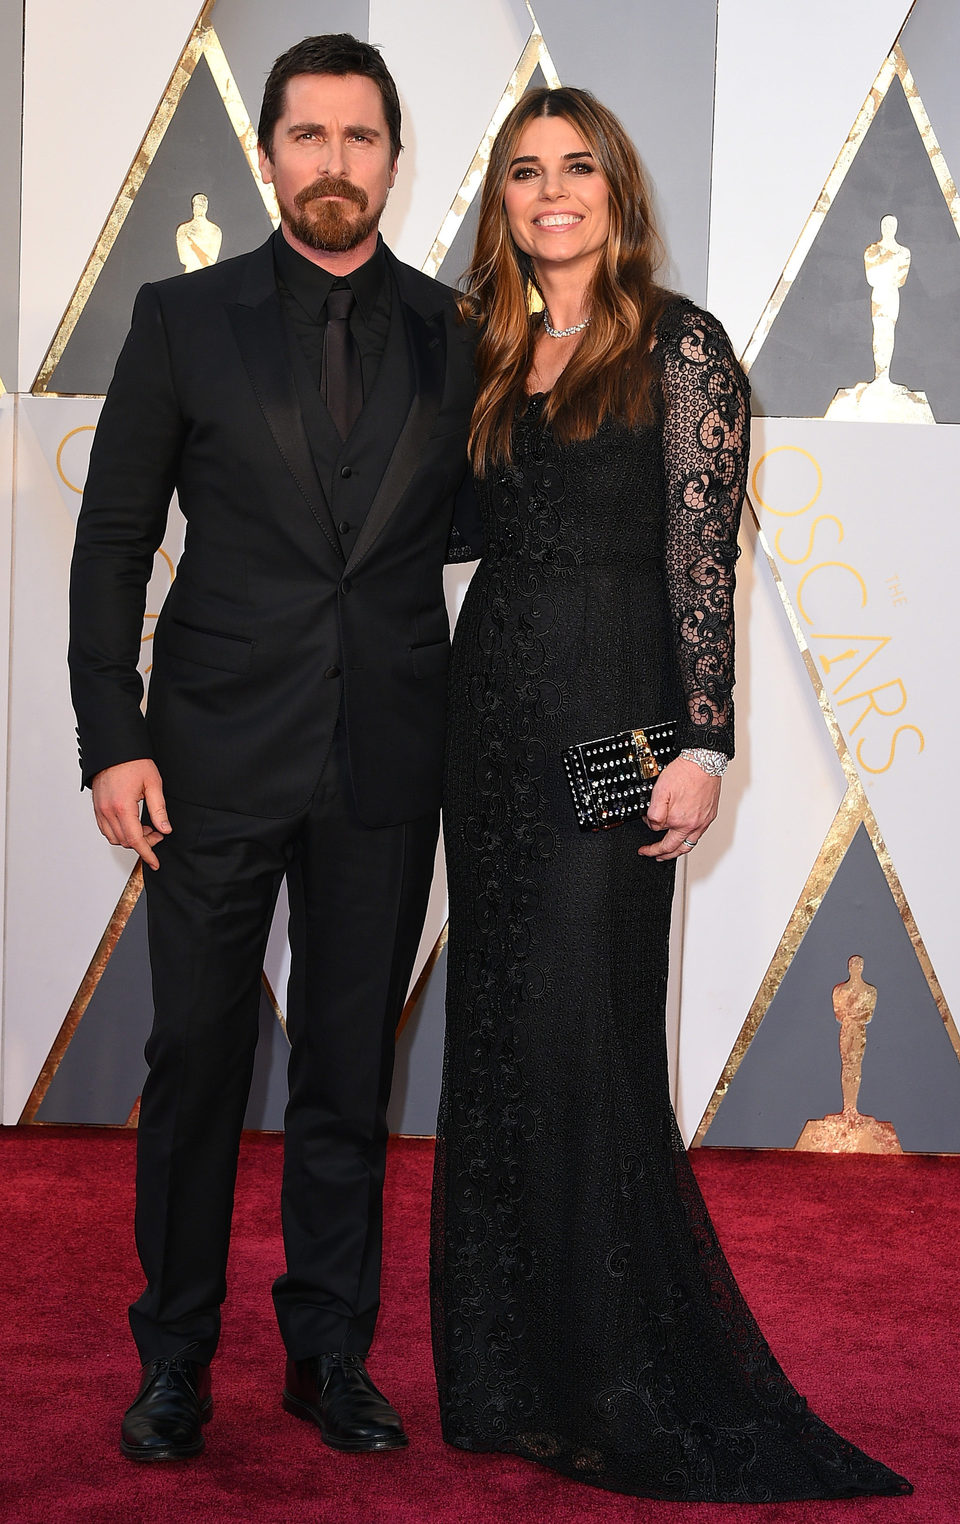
{"points": [[332, 186]]}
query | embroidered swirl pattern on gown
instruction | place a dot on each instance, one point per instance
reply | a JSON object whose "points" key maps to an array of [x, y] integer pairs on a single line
{"points": [[584, 1314]]}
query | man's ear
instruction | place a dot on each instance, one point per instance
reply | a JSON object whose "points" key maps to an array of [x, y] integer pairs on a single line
{"points": [[266, 165]]}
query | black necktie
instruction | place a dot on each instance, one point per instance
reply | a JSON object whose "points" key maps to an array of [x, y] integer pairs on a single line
{"points": [[341, 381]]}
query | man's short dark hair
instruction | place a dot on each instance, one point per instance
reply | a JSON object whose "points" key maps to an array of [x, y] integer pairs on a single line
{"points": [[332, 53]]}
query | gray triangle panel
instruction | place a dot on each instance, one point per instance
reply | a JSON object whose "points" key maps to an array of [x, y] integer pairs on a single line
{"points": [[458, 256], [268, 1091], [790, 1074], [103, 1070], [419, 1061], [821, 339], [931, 45], [199, 153]]}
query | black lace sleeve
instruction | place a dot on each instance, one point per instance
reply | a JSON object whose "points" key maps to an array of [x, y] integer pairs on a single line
{"points": [[706, 442]]}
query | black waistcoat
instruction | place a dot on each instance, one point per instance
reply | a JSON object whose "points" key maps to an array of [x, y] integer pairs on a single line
{"points": [[351, 470]]}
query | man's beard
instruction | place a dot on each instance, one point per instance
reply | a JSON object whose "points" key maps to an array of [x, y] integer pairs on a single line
{"points": [[328, 226]]}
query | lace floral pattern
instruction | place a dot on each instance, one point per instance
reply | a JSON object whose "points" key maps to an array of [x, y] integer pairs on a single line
{"points": [[705, 453], [583, 1313]]}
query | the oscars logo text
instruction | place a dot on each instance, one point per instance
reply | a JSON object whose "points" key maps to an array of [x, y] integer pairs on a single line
{"points": [[830, 598]]}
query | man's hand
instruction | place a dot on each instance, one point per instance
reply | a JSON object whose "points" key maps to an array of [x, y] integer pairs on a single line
{"points": [[683, 803], [117, 792]]}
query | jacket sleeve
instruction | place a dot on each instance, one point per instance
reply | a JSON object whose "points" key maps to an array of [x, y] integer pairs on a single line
{"points": [[131, 478]]}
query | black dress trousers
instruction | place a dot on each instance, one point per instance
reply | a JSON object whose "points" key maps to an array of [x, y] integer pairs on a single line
{"points": [[358, 897]]}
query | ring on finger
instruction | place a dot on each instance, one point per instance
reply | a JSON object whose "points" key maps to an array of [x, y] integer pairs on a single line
{"points": [[688, 843]]}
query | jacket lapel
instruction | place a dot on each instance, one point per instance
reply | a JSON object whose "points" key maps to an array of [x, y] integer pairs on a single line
{"points": [[427, 342], [257, 322]]}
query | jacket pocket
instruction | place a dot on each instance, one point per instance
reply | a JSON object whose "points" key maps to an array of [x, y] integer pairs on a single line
{"points": [[430, 661], [187, 642]]}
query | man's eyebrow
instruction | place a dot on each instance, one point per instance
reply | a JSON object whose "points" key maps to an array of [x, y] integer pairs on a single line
{"points": [[351, 127], [533, 158]]}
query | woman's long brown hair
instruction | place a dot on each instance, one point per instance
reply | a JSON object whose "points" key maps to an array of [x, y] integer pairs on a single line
{"points": [[612, 371]]}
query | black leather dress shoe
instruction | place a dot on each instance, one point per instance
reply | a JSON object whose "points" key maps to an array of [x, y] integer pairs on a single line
{"points": [[335, 1393], [164, 1421]]}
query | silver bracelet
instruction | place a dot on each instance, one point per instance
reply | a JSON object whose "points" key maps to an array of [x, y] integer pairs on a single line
{"points": [[712, 762]]}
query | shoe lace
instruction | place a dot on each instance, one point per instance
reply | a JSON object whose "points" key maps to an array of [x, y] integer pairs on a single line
{"points": [[347, 1361], [167, 1365]]}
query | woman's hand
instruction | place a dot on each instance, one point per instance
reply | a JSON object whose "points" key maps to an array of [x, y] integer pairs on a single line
{"points": [[683, 803]]}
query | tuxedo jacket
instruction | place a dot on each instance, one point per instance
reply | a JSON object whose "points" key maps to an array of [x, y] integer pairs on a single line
{"points": [[269, 631]]}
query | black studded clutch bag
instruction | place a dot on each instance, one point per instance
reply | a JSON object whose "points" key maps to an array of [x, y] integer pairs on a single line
{"points": [[611, 779]]}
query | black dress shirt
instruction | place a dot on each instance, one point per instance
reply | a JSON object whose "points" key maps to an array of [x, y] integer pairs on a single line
{"points": [[304, 287]]}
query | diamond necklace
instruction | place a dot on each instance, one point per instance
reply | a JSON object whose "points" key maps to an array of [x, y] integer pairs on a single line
{"points": [[562, 333]]}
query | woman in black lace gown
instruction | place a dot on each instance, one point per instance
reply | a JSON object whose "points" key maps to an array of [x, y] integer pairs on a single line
{"points": [[584, 1314]]}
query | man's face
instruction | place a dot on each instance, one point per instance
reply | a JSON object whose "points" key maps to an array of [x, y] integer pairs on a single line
{"points": [[331, 163]]}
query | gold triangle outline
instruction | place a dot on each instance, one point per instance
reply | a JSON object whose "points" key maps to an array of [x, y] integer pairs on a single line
{"points": [[535, 52], [854, 810], [893, 67], [203, 43]]}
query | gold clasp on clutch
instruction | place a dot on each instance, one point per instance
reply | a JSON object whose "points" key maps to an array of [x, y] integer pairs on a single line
{"points": [[649, 766]]}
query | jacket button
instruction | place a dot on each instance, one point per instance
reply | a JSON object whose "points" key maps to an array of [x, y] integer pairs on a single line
{"points": [[343, 527], [332, 672], [346, 585], [346, 472]]}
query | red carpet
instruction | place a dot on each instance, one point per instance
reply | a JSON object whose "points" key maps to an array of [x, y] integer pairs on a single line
{"points": [[849, 1263]]}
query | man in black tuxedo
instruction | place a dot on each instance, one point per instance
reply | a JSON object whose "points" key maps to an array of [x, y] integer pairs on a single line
{"points": [[309, 402]]}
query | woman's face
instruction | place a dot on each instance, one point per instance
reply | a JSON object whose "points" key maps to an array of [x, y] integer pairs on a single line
{"points": [[556, 198]]}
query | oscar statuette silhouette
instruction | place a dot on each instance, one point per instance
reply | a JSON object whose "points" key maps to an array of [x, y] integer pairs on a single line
{"points": [[847, 1131], [886, 265]]}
